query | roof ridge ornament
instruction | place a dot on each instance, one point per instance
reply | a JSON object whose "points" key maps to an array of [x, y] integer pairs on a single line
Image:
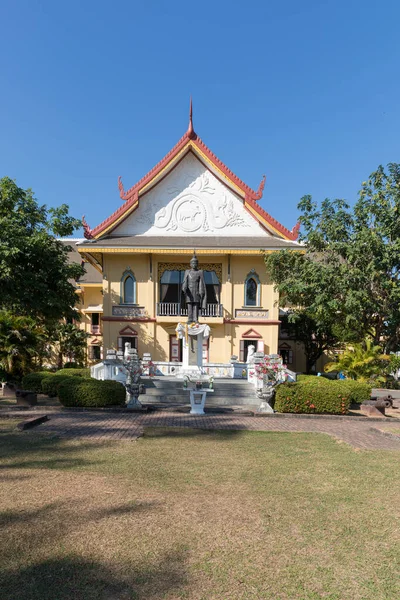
{"points": [[190, 131], [122, 192], [261, 188], [87, 232], [295, 230]]}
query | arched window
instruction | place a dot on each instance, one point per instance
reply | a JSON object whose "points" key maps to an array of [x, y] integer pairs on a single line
{"points": [[128, 288], [252, 290]]}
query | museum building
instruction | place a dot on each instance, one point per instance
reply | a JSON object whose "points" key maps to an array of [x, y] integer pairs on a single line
{"points": [[136, 260]]}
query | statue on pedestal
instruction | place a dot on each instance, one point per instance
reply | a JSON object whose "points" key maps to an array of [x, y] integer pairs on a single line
{"points": [[194, 289]]}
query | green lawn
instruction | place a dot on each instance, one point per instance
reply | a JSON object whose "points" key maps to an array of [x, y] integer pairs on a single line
{"points": [[197, 515]]}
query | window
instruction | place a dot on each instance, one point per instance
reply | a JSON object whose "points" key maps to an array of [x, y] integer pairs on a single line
{"points": [[212, 287], [252, 290], [128, 288], [95, 319], [94, 352], [171, 286], [286, 354]]}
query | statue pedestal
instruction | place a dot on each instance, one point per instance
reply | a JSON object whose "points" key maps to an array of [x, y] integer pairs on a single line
{"points": [[197, 401], [192, 337]]}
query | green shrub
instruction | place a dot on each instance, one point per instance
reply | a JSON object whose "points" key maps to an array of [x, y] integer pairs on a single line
{"points": [[78, 391], [33, 381], [72, 365], [330, 397], [74, 372], [50, 384], [359, 390], [312, 379]]}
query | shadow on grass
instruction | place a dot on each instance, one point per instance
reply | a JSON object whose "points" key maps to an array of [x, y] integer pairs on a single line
{"points": [[22, 450], [191, 432], [125, 509], [24, 517], [74, 578]]}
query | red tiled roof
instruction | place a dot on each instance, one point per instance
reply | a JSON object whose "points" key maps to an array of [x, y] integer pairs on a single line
{"points": [[191, 140]]}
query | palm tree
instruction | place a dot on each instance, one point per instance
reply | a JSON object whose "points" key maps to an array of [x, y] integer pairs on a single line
{"points": [[364, 362], [21, 343]]}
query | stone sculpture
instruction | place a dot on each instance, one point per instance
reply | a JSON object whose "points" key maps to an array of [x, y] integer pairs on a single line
{"points": [[194, 289]]}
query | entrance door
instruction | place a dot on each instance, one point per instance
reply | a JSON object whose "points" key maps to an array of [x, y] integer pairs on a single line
{"points": [[244, 348], [175, 349], [133, 340]]}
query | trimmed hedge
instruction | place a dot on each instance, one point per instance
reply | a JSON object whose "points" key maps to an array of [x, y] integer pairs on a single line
{"points": [[33, 381], [77, 391], [73, 372], [359, 390], [330, 397], [50, 384]]}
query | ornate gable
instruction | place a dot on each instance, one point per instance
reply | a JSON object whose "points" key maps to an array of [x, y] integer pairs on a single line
{"points": [[190, 190], [190, 200]]}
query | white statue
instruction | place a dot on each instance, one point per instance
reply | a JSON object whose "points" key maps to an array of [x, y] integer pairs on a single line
{"points": [[250, 355], [128, 347]]}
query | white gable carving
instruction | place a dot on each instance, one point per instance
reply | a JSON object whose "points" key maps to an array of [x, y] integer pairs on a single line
{"points": [[190, 200]]}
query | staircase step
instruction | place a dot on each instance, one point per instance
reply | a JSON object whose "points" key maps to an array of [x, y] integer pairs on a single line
{"points": [[169, 391]]}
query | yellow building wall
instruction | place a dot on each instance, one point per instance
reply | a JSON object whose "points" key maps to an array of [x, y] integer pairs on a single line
{"points": [[90, 295], [154, 337]]}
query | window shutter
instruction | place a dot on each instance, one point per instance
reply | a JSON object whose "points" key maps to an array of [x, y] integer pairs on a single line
{"points": [[241, 356], [260, 346]]}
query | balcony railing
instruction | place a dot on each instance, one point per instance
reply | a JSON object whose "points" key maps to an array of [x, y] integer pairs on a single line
{"points": [[95, 329], [174, 309]]}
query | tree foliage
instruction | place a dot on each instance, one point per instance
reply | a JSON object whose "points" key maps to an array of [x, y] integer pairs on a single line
{"points": [[348, 277], [71, 343], [34, 270], [22, 343], [317, 336]]}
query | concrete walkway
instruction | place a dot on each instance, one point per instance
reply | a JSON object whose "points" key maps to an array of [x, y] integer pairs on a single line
{"points": [[357, 432]]}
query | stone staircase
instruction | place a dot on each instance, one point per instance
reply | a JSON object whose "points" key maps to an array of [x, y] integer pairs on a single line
{"points": [[168, 391]]}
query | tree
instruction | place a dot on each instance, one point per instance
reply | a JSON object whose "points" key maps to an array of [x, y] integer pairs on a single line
{"points": [[35, 276], [317, 336], [348, 275], [22, 342], [71, 342]]}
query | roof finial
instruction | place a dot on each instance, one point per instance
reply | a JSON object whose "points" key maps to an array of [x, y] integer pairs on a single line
{"points": [[190, 132]]}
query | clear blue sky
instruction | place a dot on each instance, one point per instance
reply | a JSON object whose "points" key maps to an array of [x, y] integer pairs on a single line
{"points": [[307, 92]]}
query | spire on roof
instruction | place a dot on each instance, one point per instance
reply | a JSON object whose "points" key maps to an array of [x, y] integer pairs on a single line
{"points": [[190, 132]]}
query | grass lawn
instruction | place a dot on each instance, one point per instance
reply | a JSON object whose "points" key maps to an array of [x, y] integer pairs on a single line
{"points": [[194, 514]]}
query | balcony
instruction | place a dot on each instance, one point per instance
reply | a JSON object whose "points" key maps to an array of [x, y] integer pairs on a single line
{"points": [[175, 309]]}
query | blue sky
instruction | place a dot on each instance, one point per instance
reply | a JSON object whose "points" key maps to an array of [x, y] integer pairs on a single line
{"points": [[305, 92]]}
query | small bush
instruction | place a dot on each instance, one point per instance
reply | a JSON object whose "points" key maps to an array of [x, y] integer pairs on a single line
{"points": [[72, 365], [78, 391], [359, 390], [33, 381], [74, 372], [330, 397], [50, 384]]}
